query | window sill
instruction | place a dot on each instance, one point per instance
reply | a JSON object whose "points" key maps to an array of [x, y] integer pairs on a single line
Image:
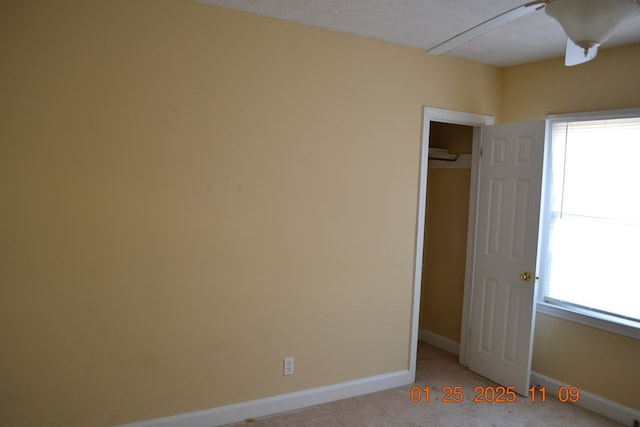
{"points": [[617, 326]]}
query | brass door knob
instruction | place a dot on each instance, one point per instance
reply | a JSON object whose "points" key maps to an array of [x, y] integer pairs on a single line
{"points": [[526, 276]]}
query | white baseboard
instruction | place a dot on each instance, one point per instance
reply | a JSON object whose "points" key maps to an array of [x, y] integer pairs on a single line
{"points": [[591, 401], [285, 402], [439, 341]]}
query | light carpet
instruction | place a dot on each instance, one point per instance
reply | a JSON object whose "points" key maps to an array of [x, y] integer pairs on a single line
{"points": [[437, 369]]}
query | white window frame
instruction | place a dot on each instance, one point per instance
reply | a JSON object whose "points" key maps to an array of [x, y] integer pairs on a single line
{"points": [[594, 319]]}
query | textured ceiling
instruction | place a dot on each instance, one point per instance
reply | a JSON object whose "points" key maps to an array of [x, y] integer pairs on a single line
{"points": [[426, 23]]}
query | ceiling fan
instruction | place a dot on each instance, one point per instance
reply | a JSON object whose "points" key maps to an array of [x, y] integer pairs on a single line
{"points": [[587, 23]]}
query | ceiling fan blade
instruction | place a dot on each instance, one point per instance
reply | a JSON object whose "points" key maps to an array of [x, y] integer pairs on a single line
{"points": [[486, 26], [575, 55]]}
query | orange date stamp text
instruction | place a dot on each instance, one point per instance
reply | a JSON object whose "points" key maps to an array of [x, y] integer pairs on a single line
{"points": [[493, 394]]}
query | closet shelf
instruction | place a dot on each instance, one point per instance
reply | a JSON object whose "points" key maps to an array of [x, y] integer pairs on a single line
{"points": [[462, 162]]}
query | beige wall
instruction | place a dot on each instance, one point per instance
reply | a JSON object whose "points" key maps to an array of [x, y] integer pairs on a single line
{"points": [[532, 91], [190, 194], [597, 361]]}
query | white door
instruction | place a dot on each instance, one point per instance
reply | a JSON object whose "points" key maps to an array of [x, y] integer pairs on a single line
{"points": [[502, 301]]}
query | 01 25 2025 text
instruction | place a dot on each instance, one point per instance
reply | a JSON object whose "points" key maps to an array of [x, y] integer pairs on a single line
{"points": [[492, 394]]}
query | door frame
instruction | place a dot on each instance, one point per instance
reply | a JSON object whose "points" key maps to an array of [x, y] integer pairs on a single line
{"points": [[477, 121]]}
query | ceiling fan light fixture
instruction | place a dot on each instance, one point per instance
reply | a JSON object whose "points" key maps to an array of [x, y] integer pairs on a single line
{"points": [[589, 23]]}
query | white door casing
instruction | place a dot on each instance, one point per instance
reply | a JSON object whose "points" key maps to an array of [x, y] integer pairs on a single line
{"points": [[455, 117], [502, 302]]}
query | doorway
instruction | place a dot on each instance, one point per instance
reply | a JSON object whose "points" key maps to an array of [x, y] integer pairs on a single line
{"points": [[444, 118], [445, 236]]}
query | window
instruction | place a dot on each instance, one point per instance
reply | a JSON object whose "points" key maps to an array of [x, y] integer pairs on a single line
{"points": [[590, 236]]}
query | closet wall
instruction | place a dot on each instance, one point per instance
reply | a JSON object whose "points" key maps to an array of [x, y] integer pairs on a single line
{"points": [[445, 248]]}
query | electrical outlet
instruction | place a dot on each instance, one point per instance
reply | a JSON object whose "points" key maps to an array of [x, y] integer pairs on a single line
{"points": [[288, 366]]}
